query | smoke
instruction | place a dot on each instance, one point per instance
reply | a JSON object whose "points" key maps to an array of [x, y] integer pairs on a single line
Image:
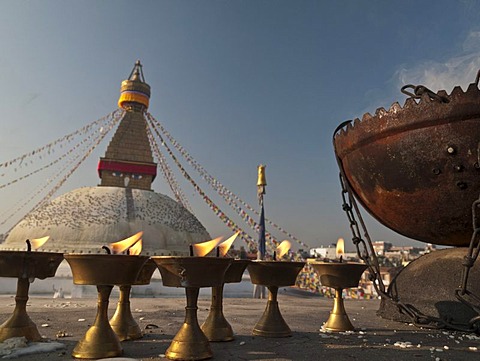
{"points": [[460, 69]]}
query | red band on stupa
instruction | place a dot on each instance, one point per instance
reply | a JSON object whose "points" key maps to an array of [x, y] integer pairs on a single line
{"points": [[126, 167]]}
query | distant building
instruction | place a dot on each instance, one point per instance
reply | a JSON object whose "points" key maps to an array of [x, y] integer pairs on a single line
{"points": [[324, 252], [381, 247], [386, 273], [391, 260], [350, 255]]}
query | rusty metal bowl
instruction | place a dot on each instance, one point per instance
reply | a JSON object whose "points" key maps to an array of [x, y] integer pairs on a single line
{"points": [[23, 264], [105, 269], [416, 168], [197, 272]]}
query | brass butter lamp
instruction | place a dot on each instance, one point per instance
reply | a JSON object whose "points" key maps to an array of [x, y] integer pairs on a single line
{"points": [[103, 271], [339, 276], [25, 266], [273, 274], [216, 327], [122, 321], [192, 273]]}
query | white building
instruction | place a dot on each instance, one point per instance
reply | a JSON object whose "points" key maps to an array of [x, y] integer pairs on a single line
{"points": [[324, 252]]}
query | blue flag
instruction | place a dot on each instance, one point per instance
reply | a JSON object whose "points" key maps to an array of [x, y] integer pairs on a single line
{"points": [[261, 235]]}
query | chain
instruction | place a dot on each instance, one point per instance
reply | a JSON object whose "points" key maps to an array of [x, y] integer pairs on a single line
{"points": [[366, 253], [419, 90], [365, 250], [462, 293]]}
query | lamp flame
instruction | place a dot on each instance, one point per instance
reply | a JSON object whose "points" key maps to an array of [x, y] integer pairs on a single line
{"points": [[120, 246], [283, 248], [340, 247], [225, 245], [202, 249], [136, 249], [38, 242]]}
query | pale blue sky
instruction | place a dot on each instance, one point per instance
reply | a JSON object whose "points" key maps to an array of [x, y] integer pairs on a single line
{"points": [[237, 83]]}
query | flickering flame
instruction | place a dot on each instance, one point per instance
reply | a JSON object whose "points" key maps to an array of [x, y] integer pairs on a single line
{"points": [[340, 247], [120, 246], [38, 242], [225, 245], [202, 249], [283, 248], [136, 249]]}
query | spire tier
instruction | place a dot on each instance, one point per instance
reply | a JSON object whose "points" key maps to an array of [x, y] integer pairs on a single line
{"points": [[128, 161]]}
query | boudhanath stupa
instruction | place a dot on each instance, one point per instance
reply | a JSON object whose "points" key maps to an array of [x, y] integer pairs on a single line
{"points": [[87, 218]]}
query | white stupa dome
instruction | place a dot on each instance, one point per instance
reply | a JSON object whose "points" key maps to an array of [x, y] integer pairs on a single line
{"points": [[88, 218]]}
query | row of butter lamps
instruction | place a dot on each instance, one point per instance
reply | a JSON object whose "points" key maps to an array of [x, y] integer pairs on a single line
{"points": [[191, 342]]}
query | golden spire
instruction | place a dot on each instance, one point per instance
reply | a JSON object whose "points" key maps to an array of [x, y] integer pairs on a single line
{"points": [[134, 92], [261, 182], [128, 160]]}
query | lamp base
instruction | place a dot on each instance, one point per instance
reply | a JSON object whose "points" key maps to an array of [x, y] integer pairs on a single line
{"points": [[122, 322], [99, 341], [338, 320], [20, 324], [216, 327], [272, 324], [190, 343]]}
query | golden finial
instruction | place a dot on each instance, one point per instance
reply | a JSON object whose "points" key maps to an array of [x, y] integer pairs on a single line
{"points": [[134, 92], [261, 182]]}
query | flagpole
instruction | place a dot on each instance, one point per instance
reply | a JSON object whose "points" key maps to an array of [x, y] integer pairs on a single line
{"points": [[258, 290]]}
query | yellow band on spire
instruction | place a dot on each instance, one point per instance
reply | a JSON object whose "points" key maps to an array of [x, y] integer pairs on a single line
{"points": [[132, 96]]}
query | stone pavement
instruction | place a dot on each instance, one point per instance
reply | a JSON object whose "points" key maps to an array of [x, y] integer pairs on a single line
{"points": [[66, 320]]}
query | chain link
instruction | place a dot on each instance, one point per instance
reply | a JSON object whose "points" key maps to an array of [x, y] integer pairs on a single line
{"points": [[419, 90]]}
